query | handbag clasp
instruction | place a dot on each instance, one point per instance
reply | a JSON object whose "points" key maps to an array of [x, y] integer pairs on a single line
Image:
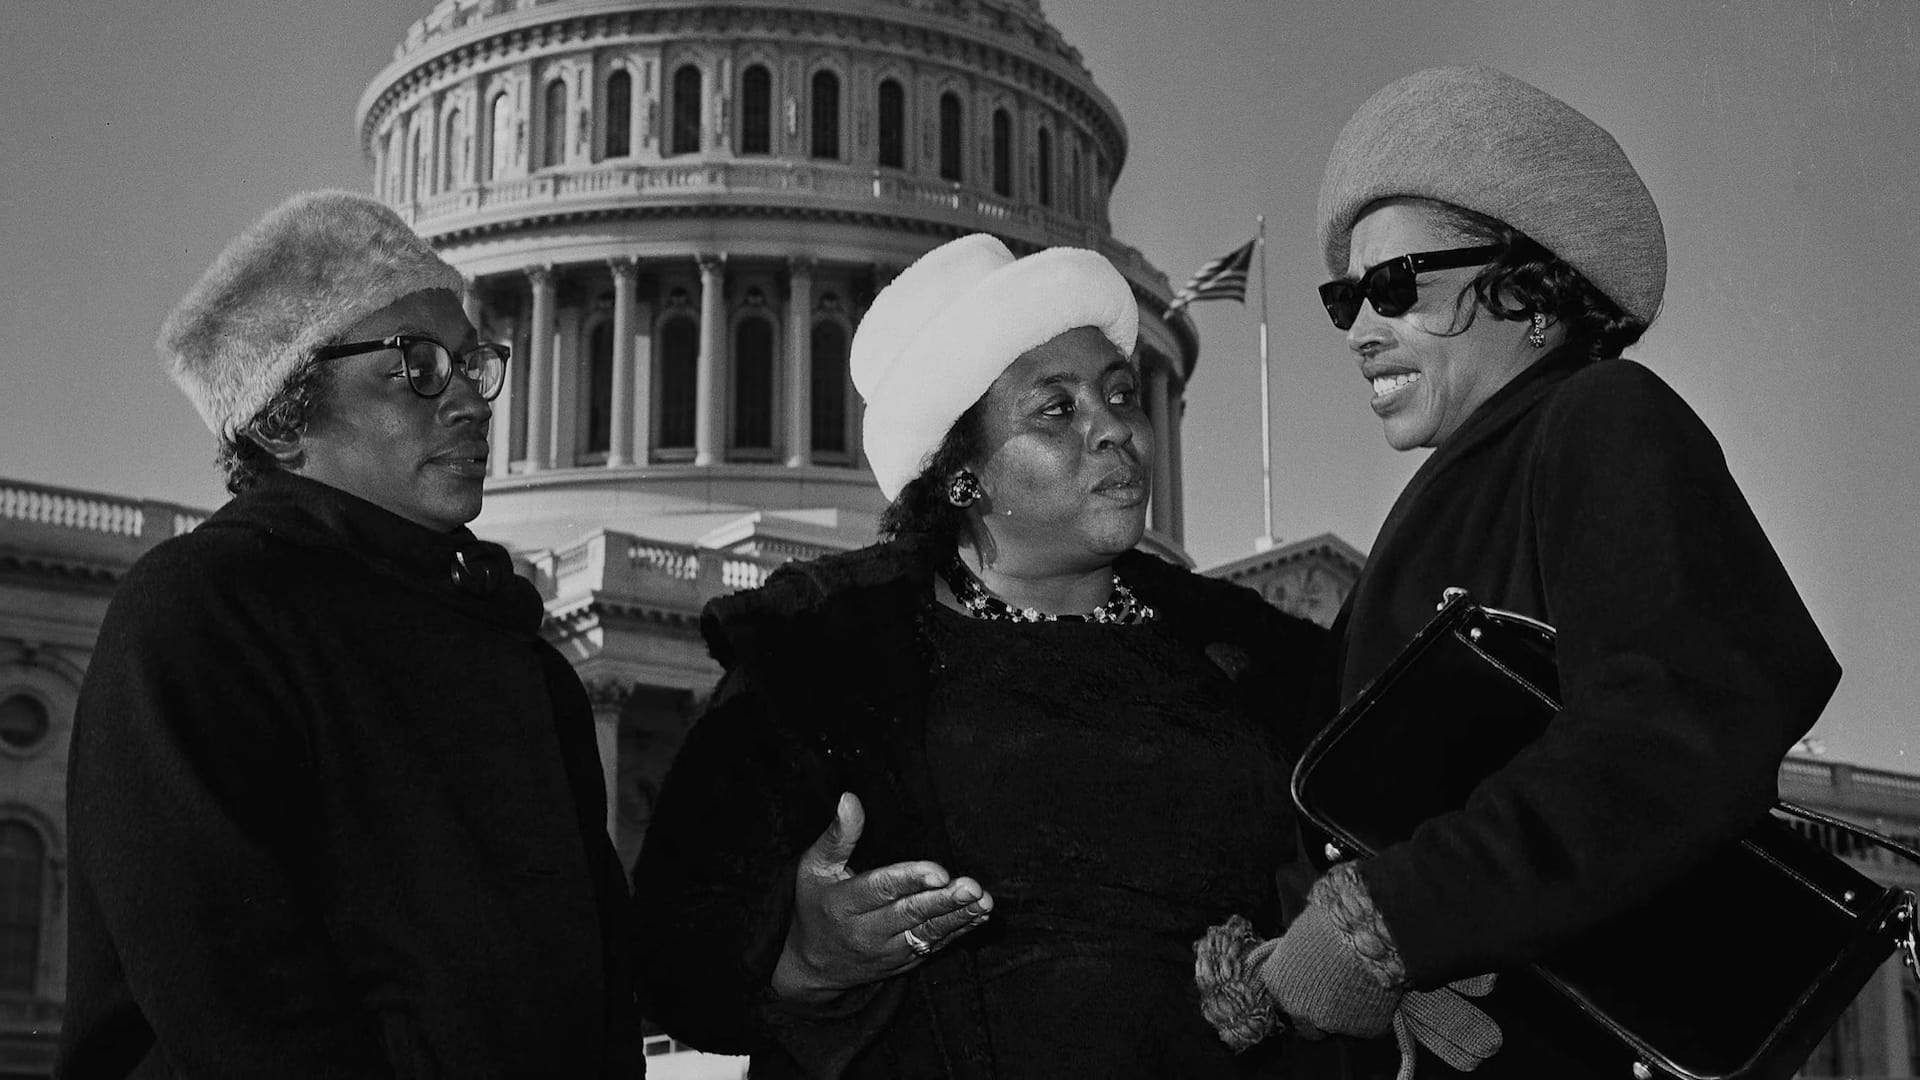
{"points": [[1909, 940]]}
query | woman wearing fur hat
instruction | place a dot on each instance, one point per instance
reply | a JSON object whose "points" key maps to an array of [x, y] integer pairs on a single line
{"points": [[963, 799], [1493, 252], [336, 806]]}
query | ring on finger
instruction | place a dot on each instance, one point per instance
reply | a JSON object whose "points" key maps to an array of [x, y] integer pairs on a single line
{"points": [[918, 944]]}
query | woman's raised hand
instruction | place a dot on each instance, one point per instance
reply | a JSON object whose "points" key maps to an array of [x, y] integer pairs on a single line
{"points": [[851, 929]]}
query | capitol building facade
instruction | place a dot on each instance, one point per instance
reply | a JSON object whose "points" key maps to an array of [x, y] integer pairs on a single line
{"points": [[677, 211]]}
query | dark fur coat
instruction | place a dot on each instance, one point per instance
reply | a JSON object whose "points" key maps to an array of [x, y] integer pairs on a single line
{"points": [[826, 689]]}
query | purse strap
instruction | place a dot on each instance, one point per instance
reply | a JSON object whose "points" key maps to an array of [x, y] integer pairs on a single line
{"points": [[1905, 916]]}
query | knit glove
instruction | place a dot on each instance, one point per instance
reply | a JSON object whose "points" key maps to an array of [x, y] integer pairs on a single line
{"points": [[1309, 975], [1448, 1025], [1318, 979]]}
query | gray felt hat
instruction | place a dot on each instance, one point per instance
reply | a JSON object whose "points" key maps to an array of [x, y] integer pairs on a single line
{"points": [[1481, 139], [312, 267]]}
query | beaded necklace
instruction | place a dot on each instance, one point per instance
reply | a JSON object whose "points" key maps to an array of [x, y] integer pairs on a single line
{"points": [[1121, 609]]}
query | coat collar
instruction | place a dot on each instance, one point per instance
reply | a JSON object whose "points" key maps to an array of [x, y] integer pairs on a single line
{"points": [[311, 514], [1492, 419]]}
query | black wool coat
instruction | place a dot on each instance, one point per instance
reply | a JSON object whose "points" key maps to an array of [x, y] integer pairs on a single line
{"points": [[826, 688], [334, 816], [1588, 495]]}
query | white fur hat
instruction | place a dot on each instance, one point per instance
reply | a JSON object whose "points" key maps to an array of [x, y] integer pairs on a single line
{"points": [[313, 266], [936, 338]]}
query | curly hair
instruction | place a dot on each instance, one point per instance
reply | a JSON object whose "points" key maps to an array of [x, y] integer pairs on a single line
{"points": [[1526, 278], [284, 416], [921, 507]]}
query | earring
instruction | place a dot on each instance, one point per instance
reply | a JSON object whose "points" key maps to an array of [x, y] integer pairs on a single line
{"points": [[964, 489], [1537, 337]]}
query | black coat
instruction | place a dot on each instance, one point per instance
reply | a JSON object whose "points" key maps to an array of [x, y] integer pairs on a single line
{"points": [[334, 816], [826, 691], [1586, 494]]}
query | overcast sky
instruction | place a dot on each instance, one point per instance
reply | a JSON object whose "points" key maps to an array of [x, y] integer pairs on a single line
{"points": [[1779, 138]]}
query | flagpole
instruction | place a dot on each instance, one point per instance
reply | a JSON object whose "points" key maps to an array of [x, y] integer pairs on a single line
{"points": [[1266, 401]]}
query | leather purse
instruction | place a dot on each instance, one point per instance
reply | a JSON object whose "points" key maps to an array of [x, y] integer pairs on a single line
{"points": [[1734, 972]]}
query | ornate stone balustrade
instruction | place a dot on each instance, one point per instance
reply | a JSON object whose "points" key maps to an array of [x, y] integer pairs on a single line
{"points": [[71, 509], [82, 533], [612, 571], [634, 185]]}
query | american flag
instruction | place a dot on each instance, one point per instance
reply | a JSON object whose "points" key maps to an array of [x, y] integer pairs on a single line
{"points": [[1225, 278]]}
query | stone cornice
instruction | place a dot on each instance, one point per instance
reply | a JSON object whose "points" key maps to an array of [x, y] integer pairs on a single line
{"points": [[548, 31]]}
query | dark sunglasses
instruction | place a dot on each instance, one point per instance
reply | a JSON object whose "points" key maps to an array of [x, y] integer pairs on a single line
{"points": [[429, 365], [1389, 286]]}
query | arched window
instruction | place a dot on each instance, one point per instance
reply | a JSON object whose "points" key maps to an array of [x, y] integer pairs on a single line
{"points": [[1002, 153], [1073, 185], [553, 147], [422, 163], [950, 136], [893, 125], [829, 388], [456, 154], [500, 134], [826, 115], [600, 389], [686, 111], [23, 722], [753, 384], [396, 164], [756, 110], [1044, 148], [679, 361], [23, 859], [619, 114]]}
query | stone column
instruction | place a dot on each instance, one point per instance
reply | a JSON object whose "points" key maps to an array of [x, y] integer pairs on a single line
{"points": [[799, 434], [609, 699], [620, 445], [567, 356], [1176, 412], [642, 348], [540, 370], [470, 302], [500, 434], [709, 416], [1157, 409]]}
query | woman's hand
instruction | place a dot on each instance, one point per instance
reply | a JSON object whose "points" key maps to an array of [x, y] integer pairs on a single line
{"points": [[852, 929]]}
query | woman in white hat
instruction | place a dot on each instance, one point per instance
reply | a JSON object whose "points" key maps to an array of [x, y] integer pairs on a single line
{"points": [[1493, 251], [1038, 756]]}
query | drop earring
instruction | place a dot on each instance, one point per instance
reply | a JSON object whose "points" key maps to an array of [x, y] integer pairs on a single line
{"points": [[963, 490], [1537, 336]]}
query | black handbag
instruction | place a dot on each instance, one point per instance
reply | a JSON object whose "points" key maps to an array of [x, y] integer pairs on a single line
{"points": [[1773, 922]]}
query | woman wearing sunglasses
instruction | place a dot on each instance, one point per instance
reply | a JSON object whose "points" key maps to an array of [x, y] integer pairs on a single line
{"points": [[1493, 252]]}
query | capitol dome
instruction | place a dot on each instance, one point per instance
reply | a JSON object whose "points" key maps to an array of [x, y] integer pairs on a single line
{"points": [[676, 212]]}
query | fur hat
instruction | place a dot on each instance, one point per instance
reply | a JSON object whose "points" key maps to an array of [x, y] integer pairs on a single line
{"points": [[313, 266], [937, 337], [1482, 139]]}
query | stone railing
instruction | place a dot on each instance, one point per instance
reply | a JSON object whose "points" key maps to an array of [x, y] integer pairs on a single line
{"points": [[614, 568], [1015, 18], [1888, 802], [86, 524], [848, 187], [71, 509]]}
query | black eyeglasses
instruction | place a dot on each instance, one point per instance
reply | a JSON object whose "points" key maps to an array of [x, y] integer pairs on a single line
{"points": [[429, 364], [1389, 286]]}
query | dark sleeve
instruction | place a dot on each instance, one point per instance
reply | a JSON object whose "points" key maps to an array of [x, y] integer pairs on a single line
{"points": [[192, 937], [1688, 667], [713, 892]]}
